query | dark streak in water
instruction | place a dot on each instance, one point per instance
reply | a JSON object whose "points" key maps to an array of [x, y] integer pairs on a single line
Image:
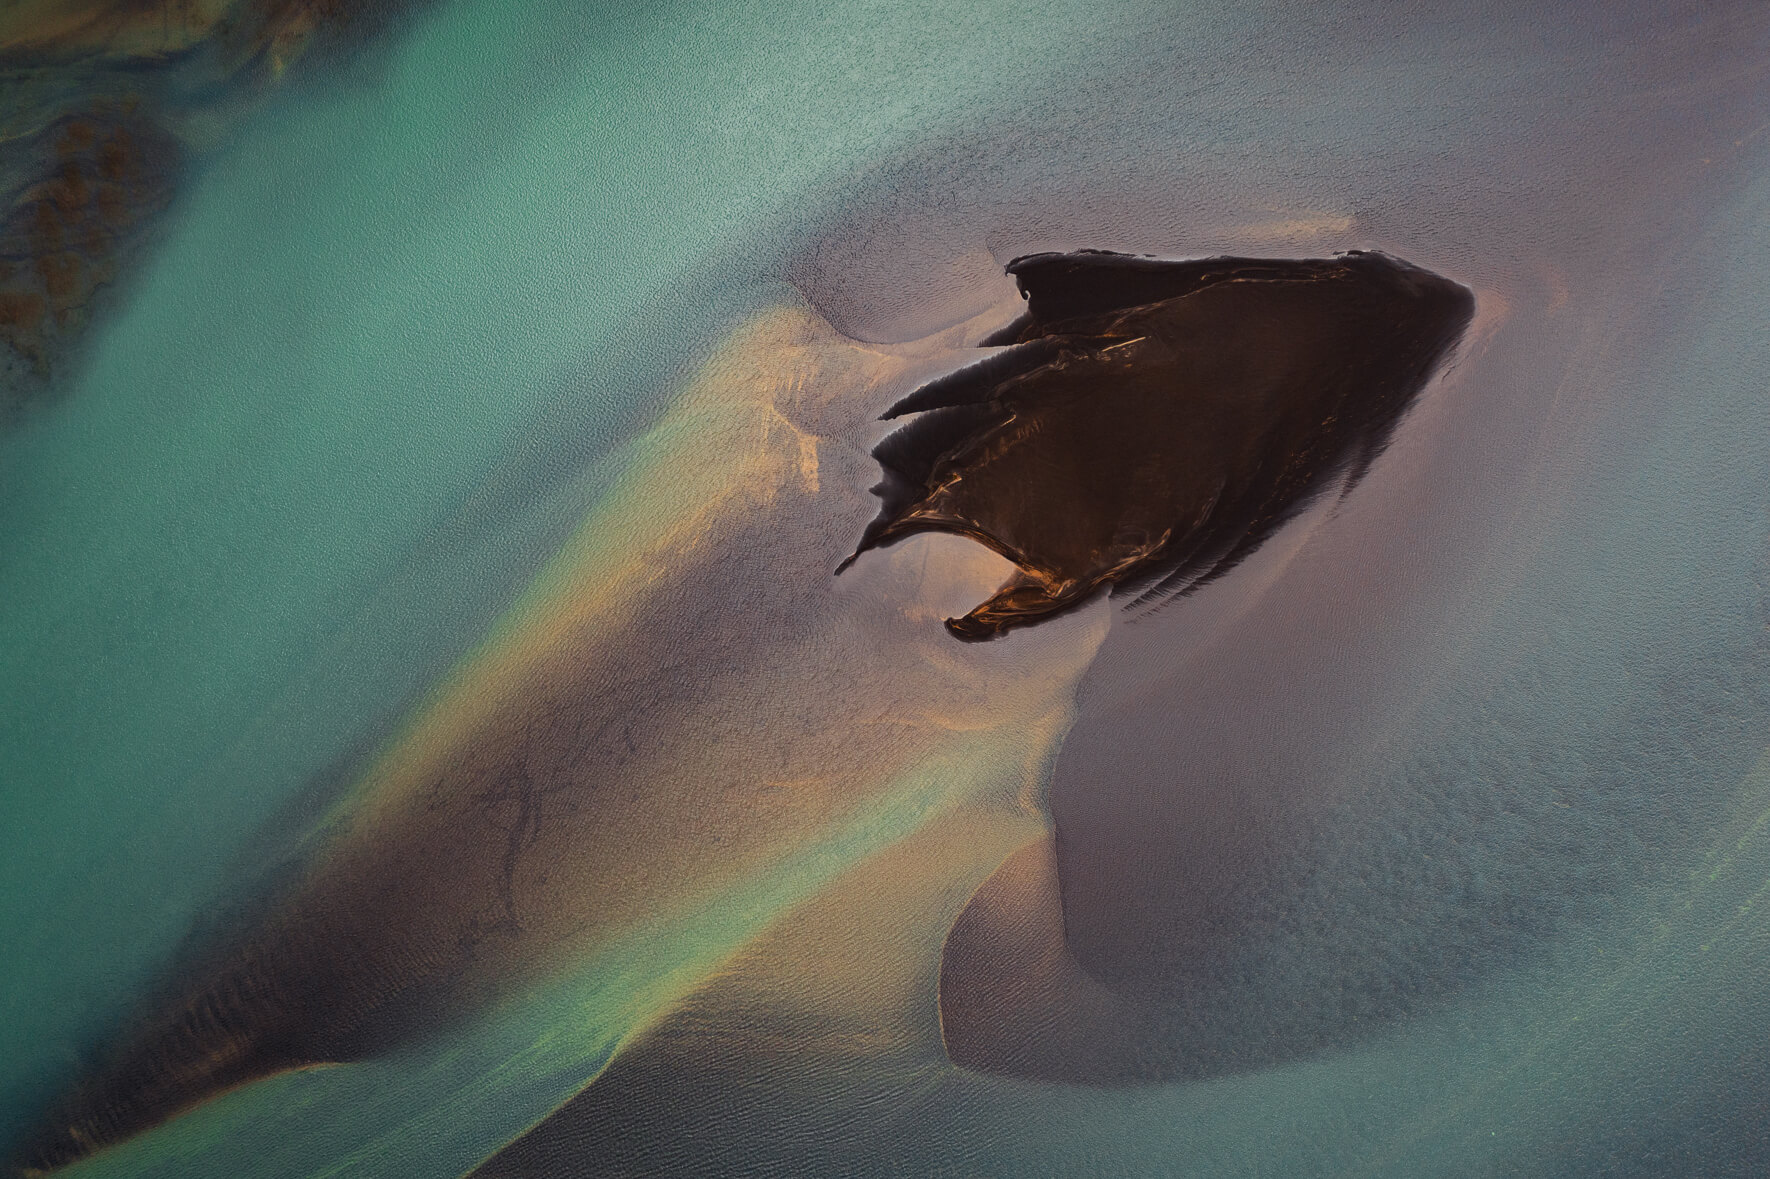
{"points": [[1151, 423], [109, 102], [98, 177]]}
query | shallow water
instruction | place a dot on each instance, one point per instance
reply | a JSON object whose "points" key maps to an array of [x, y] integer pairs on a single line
{"points": [[410, 327]]}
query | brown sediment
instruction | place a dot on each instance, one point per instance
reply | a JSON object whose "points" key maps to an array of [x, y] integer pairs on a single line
{"points": [[120, 28], [91, 146], [107, 171], [1151, 423], [839, 991], [587, 770], [133, 30]]}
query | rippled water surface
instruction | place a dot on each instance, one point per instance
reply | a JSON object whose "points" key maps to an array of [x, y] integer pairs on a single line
{"points": [[435, 542]]}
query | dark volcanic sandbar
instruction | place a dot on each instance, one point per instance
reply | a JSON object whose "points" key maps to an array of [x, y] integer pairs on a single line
{"points": [[1152, 422]]}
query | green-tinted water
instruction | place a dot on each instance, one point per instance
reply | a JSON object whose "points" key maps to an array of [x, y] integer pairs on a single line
{"points": [[323, 440], [394, 338]]}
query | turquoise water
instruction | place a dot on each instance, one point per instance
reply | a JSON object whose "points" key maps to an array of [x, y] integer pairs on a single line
{"points": [[374, 370], [399, 328]]}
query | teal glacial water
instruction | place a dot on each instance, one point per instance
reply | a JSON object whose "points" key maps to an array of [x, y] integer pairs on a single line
{"points": [[402, 325], [381, 360]]}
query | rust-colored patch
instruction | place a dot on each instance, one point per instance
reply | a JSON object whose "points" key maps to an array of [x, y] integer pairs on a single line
{"points": [[64, 237], [86, 160]]}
